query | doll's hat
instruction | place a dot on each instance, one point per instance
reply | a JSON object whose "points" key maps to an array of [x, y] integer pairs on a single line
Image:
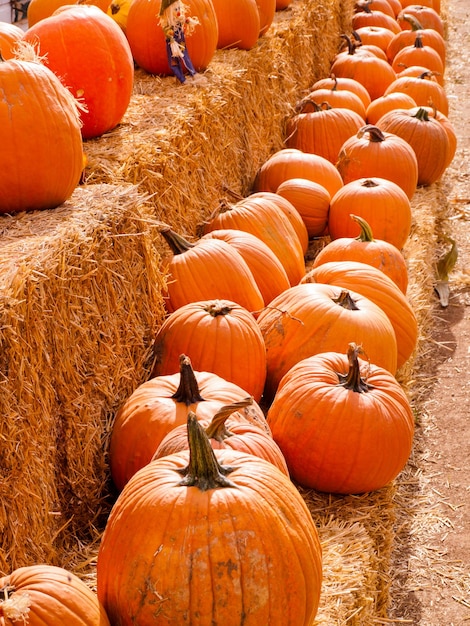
{"points": [[165, 4]]}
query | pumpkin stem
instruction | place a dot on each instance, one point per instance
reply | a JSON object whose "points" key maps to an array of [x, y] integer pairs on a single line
{"points": [[188, 390], [353, 380], [351, 46], [412, 21], [203, 470], [369, 183], [418, 41], [217, 429], [375, 134], [216, 308], [345, 300], [366, 230], [177, 243], [422, 114]]}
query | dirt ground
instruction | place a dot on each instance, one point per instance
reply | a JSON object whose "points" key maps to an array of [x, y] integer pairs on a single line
{"points": [[433, 584]]}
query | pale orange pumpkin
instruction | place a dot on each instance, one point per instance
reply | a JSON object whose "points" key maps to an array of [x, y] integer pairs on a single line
{"points": [[311, 200]]}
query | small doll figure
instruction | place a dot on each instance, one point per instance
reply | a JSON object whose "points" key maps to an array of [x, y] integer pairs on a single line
{"points": [[176, 25]]}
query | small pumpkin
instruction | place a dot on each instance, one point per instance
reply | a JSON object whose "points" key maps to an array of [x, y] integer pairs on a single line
{"points": [[419, 53], [340, 83], [429, 36], [376, 35], [388, 102], [344, 424], [423, 88], [336, 98], [46, 594], [428, 17], [10, 36]]}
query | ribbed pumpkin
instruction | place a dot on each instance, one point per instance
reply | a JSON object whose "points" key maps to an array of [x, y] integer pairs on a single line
{"points": [[10, 35], [311, 318], [420, 54], [210, 537], [374, 284], [224, 433], [207, 269], [267, 10], [322, 130], [429, 36], [366, 249], [284, 206], [336, 98], [219, 335], [267, 269], [381, 202], [428, 17], [239, 23], [261, 216], [374, 5], [40, 9], [293, 163], [311, 200], [372, 152], [339, 83], [40, 169], [46, 594], [147, 41], [375, 35], [425, 135], [91, 55], [162, 403], [344, 424], [368, 17], [424, 90], [388, 102], [373, 73], [449, 128]]}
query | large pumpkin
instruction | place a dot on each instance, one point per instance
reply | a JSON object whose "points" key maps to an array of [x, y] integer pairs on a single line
{"points": [[41, 159], [210, 537], [344, 424], [45, 594], [370, 152], [40, 9], [147, 40], [162, 403], [219, 335], [90, 53], [312, 317], [239, 23]]}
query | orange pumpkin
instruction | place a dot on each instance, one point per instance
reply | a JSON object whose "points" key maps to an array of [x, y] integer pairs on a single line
{"points": [[374, 284], [449, 128], [239, 23], [418, 53], [388, 102], [374, 5], [197, 517], [311, 318], [424, 90], [428, 17], [344, 424], [91, 55], [162, 403], [207, 269], [10, 35], [372, 152], [426, 136], [429, 36], [232, 334], [375, 35], [260, 215], [311, 200], [47, 594], [223, 433], [323, 130], [293, 163], [381, 202], [40, 9], [267, 269], [147, 40], [366, 249], [368, 17], [267, 10], [340, 83], [336, 98], [33, 97]]}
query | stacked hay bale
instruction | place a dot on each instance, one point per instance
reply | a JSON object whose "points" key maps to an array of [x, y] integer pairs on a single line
{"points": [[81, 299]]}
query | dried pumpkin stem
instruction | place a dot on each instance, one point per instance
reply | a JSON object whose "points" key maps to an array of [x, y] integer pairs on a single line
{"points": [[346, 301], [375, 134], [203, 470], [353, 380], [188, 390], [217, 429], [177, 243]]}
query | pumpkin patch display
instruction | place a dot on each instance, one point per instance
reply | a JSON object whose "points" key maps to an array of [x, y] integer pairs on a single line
{"points": [[47, 594], [344, 424], [33, 98], [89, 52], [312, 317], [221, 537], [230, 330], [381, 202]]}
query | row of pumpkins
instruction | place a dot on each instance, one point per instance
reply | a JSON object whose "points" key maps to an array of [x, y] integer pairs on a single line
{"points": [[267, 373]]}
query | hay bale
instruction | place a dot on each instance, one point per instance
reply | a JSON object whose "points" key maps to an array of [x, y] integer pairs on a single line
{"points": [[80, 299]]}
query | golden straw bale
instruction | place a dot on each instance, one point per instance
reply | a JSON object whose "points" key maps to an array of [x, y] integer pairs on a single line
{"points": [[80, 299]]}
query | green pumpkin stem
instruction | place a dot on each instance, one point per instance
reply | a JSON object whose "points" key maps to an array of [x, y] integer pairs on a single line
{"points": [[375, 134], [203, 470], [422, 114], [188, 390], [217, 428], [177, 243], [353, 380], [366, 231]]}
